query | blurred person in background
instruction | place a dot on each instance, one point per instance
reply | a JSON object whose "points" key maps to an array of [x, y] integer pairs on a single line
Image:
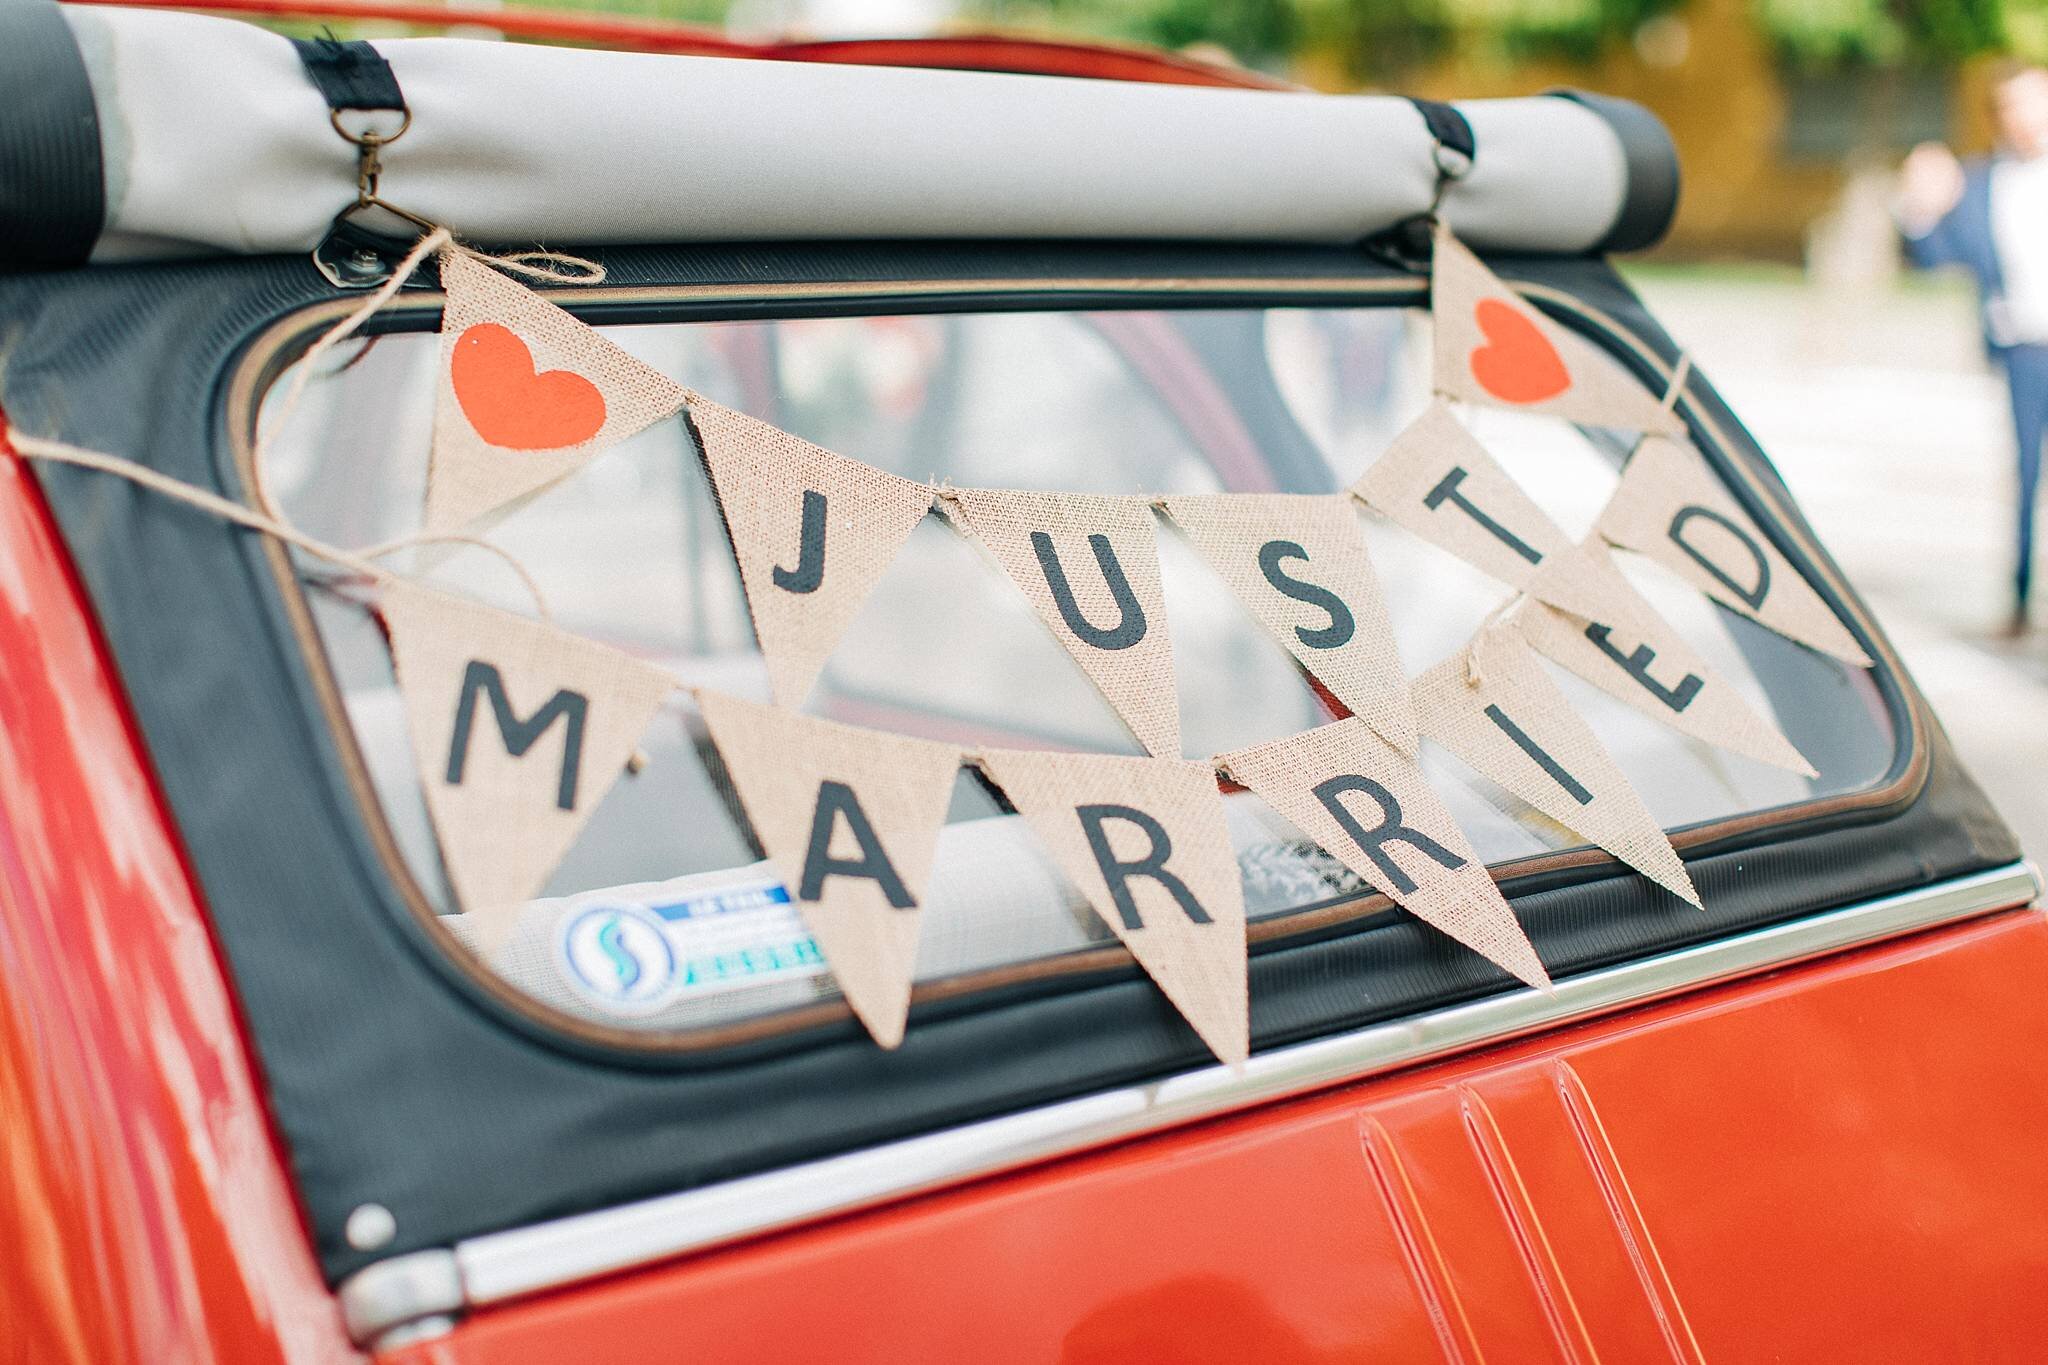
{"points": [[1990, 216]]}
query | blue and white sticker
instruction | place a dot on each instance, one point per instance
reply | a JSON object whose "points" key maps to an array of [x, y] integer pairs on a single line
{"points": [[662, 946], [618, 956]]}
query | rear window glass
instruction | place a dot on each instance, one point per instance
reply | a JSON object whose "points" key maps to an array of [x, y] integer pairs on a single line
{"points": [[632, 552]]}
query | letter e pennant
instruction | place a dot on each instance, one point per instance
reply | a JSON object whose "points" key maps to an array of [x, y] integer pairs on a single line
{"points": [[1145, 840], [1493, 348], [851, 819], [519, 730], [528, 395], [1370, 808], [1494, 707], [1090, 567], [1299, 564], [1670, 507], [813, 533]]}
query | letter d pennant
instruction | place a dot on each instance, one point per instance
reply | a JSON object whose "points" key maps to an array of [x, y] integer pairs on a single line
{"points": [[851, 819], [1145, 840], [519, 730], [1371, 809]]}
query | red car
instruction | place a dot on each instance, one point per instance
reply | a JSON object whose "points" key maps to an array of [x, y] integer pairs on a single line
{"points": [[260, 1102]]}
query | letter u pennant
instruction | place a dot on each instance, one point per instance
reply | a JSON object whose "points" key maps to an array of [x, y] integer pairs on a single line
{"points": [[851, 820], [1371, 809], [519, 730], [1145, 840], [1090, 567], [528, 395], [812, 531], [1493, 348]]}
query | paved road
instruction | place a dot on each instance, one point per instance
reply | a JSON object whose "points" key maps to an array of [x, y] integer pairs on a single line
{"points": [[1892, 433]]}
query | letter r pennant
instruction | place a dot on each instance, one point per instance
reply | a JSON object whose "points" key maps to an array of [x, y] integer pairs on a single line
{"points": [[519, 730]]}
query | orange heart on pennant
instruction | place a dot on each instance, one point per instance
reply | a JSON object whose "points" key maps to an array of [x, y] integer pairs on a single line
{"points": [[513, 407], [1517, 364]]}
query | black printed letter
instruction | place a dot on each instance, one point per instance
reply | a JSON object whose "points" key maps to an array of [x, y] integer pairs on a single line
{"points": [[810, 549], [837, 802], [1446, 490], [1754, 596], [1130, 625], [519, 735], [1572, 786], [1117, 873], [1389, 830], [1637, 666], [1341, 628]]}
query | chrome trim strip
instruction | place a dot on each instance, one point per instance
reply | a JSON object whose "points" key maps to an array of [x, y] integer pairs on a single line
{"points": [[505, 1265]]}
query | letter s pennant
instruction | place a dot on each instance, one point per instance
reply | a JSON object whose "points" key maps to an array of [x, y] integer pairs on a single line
{"points": [[1090, 567], [1371, 808], [1145, 840], [851, 820], [519, 730]]}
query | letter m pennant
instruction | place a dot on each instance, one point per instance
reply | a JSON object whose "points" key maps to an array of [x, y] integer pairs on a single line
{"points": [[519, 730]]}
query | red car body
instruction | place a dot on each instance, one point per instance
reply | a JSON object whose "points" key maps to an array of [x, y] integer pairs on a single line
{"points": [[1832, 1160]]}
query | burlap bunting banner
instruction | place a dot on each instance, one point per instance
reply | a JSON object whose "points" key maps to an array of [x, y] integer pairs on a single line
{"points": [[1437, 481], [813, 532], [1090, 567], [1299, 563], [851, 819], [1637, 656], [1671, 507], [528, 395], [1145, 840], [1494, 707], [519, 730], [1371, 808], [1493, 348]]}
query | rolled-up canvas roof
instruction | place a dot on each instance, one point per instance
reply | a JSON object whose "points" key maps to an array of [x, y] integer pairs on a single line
{"points": [[211, 137]]}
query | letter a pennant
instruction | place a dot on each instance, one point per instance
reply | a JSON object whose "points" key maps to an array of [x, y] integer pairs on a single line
{"points": [[1370, 808], [519, 730], [1670, 507], [528, 395], [812, 531], [851, 819], [1145, 840], [1493, 348], [1494, 707], [1090, 567], [1299, 564]]}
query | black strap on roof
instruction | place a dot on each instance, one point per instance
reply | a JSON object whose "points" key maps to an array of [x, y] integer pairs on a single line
{"points": [[53, 199], [350, 75], [1450, 128]]}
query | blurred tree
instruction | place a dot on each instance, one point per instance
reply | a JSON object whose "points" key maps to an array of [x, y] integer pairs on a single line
{"points": [[1834, 34]]}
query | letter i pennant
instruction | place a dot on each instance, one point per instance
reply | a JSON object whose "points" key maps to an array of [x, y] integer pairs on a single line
{"points": [[812, 531], [1145, 840], [1090, 567], [851, 820], [1371, 809], [528, 395], [1494, 707], [519, 730], [1491, 347]]}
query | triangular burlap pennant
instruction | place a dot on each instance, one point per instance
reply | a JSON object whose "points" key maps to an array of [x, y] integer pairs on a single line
{"points": [[1491, 347], [851, 819], [813, 533], [1636, 655], [1670, 507], [1300, 564], [519, 730], [1090, 567], [1370, 808], [1145, 840], [1494, 707], [1439, 482], [527, 396]]}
